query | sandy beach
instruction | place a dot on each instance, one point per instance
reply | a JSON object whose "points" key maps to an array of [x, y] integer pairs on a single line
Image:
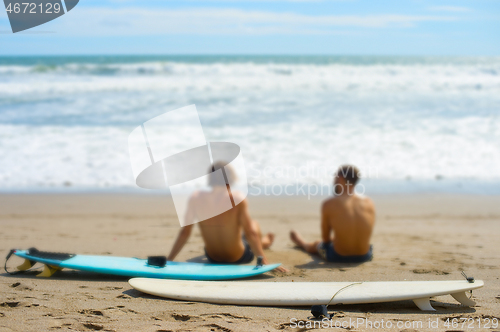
{"points": [[417, 237]]}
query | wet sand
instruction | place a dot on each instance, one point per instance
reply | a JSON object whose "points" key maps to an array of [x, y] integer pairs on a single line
{"points": [[417, 237]]}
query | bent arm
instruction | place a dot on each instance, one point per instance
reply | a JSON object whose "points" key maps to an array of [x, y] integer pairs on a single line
{"points": [[185, 232], [326, 229], [252, 235], [181, 240]]}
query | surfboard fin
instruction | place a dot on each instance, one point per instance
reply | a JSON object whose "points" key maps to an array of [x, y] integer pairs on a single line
{"points": [[27, 264], [48, 271], [424, 304], [463, 299]]}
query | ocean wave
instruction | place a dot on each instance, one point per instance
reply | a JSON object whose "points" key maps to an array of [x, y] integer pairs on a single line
{"points": [[59, 156], [217, 78], [66, 124], [489, 67]]}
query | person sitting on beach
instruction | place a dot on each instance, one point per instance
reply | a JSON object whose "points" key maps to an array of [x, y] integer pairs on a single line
{"points": [[351, 217], [222, 234]]}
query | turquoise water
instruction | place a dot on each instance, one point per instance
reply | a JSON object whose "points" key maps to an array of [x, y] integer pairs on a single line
{"points": [[257, 59]]}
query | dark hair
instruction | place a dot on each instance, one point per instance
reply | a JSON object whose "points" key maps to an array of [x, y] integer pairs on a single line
{"points": [[230, 174], [350, 173]]}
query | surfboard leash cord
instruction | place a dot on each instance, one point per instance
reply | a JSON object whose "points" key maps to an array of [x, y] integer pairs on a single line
{"points": [[340, 290], [11, 252]]}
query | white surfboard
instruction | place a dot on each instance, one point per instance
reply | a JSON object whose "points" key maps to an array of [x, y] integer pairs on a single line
{"points": [[306, 293]]}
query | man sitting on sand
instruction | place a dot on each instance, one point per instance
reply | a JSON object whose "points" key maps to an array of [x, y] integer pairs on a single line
{"points": [[222, 234], [351, 218]]}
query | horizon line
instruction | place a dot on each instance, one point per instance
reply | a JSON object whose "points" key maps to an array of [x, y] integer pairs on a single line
{"points": [[257, 54]]}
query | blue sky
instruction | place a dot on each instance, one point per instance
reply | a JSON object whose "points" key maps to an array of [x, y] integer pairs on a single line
{"points": [[346, 27]]}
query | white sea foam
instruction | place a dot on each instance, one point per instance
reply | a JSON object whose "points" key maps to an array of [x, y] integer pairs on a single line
{"points": [[68, 124]]}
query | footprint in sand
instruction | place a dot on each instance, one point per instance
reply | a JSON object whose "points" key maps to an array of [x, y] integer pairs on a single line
{"points": [[123, 296], [10, 304], [110, 288], [224, 315], [421, 271], [91, 312], [217, 327], [93, 326], [181, 317], [20, 286]]}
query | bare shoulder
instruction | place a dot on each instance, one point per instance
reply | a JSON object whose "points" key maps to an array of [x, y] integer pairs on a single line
{"points": [[240, 201], [196, 196], [366, 202], [243, 204], [329, 203], [238, 196]]}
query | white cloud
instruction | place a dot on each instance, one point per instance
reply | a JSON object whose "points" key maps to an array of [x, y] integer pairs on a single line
{"points": [[199, 21], [453, 9]]}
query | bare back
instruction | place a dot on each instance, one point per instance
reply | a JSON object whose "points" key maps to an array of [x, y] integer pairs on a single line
{"points": [[222, 233], [351, 217]]}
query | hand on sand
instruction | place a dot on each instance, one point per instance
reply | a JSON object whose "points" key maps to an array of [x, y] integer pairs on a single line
{"points": [[281, 269]]}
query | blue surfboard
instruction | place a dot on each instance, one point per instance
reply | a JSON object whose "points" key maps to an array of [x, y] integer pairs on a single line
{"points": [[136, 267]]}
